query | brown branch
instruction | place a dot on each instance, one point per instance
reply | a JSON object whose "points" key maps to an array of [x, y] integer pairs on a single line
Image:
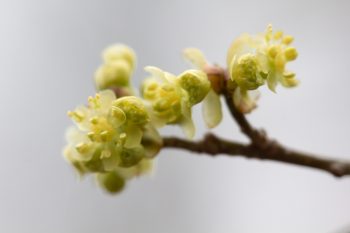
{"points": [[240, 118], [213, 145]]}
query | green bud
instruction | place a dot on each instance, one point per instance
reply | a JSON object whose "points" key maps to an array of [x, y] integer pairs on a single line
{"points": [[131, 156], [246, 72], [133, 108], [113, 74], [112, 182], [196, 83], [120, 52]]}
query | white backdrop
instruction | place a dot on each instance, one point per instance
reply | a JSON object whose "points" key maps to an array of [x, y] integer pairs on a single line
{"points": [[48, 53]]}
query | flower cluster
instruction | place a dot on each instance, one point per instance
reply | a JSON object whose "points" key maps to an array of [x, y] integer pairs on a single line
{"points": [[116, 134], [107, 137], [117, 138], [255, 60]]}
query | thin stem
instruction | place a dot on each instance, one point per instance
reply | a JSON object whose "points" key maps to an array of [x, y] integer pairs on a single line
{"points": [[213, 145], [240, 118]]}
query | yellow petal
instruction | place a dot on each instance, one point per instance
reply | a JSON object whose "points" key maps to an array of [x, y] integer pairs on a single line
{"points": [[186, 123], [211, 109], [133, 136], [195, 57]]}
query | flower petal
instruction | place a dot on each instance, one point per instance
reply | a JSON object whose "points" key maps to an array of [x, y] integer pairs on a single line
{"points": [[211, 109], [195, 57], [156, 72], [245, 100], [133, 136], [186, 122]]}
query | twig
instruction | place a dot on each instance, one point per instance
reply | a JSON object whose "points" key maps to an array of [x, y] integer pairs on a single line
{"points": [[213, 145]]}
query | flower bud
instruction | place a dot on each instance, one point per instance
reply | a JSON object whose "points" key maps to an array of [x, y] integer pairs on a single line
{"points": [[112, 182], [113, 74], [133, 108], [196, 83], [246, 73], [119, 52]]}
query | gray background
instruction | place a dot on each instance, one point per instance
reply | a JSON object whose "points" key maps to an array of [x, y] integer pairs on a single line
{"points": [[48, 53]]}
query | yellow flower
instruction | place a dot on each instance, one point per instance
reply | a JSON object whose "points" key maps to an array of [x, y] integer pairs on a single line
{"points": [[255, 60], [171, 98], [278, 52], [108, 136]]}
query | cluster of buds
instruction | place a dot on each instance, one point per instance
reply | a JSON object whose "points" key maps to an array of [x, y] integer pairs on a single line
{"points": [[116, 137]]}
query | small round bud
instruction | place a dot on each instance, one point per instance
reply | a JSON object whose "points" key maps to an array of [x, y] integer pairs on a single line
{"points": [[114, 74], [246, 72], [120, 52], [131, 156], [196, 83], [291, 53], [133, 108], [112, 182]]}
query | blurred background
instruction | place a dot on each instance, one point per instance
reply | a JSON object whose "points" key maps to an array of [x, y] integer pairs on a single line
{"points": [[49, 51]]}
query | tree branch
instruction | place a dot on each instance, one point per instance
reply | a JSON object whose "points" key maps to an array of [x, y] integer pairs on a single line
{"points": [[213, 145], [240, 118]]}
